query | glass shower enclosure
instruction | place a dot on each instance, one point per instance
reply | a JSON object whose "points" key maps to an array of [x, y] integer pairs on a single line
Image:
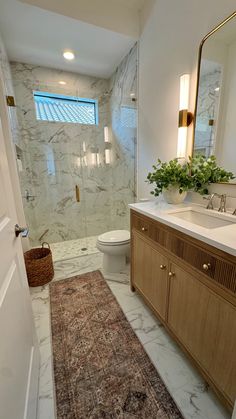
{"points": [[75, 144]]}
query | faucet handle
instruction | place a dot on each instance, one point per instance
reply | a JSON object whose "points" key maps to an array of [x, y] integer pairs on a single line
{"points": [[210, 199], [222, 207]]}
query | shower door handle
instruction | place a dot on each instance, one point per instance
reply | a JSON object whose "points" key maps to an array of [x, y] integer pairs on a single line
{"points": [[77, 193]]}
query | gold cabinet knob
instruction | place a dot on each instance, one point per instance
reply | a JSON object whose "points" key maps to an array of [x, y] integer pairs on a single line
{"points": [[171, 274], [162, 267], [206, 266], [144, 229]]}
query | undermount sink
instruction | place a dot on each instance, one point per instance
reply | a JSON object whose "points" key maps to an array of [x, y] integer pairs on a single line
{"points": [[202, 219]]}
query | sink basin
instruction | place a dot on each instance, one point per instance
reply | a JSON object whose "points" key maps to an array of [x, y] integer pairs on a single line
{"points": [[199, 218]]}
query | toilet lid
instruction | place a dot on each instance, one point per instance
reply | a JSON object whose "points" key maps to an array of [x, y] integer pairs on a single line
{"points": [[114, 237]]}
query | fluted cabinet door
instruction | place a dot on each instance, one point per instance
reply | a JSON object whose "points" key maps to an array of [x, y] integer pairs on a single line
{"points": [[150, 273], [206, 325]]}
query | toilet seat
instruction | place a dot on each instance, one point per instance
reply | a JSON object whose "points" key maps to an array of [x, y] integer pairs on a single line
{"points": [[114, 238]]}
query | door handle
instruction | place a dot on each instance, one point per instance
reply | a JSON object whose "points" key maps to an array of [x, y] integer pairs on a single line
{"points": [[24, 231]]}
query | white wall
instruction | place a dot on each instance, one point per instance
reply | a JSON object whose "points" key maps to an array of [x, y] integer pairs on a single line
{"points": [[168, 48]]}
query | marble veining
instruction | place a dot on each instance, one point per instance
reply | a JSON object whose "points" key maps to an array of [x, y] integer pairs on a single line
{"points": [[189, 390], [58, 156]]}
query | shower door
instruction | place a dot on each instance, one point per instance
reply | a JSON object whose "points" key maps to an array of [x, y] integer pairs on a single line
{"points": [[50, 165]]}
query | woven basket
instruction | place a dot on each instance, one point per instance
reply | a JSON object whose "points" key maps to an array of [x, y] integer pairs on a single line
{"points": [[39, 266]]}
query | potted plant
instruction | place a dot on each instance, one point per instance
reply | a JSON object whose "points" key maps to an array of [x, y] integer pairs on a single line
{"points": [[205, 171], [173, 179]]}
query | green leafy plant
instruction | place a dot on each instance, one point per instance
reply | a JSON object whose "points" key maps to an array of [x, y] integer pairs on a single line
{"points": [[196, 174], [168, 174], [205, 171]]}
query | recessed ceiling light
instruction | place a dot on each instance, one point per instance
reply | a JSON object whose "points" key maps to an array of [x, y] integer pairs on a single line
{"points": [[217, 89], [62, 82], [68, 55]]}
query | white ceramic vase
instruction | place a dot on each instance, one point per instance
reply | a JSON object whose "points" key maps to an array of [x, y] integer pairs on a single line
{"points": [[172, 195]]}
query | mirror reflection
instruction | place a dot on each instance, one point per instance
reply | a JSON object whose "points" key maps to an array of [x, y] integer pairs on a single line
{"points": [[215, 125]]}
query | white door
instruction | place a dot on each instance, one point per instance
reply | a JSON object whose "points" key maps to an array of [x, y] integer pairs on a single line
{"points": [[19, 355]]}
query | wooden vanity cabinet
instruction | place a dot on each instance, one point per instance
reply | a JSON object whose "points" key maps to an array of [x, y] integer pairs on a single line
{"points": [[198, 309], [149, 271], [205, 324]]}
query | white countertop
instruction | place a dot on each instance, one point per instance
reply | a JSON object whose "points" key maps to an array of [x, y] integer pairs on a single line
{"points": [[223, 238]]}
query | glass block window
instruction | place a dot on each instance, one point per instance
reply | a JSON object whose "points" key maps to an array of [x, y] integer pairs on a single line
{"points": [[58, 108]]}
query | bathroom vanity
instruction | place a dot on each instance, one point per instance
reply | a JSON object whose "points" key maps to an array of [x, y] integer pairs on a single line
{"points": [[184, 266]]}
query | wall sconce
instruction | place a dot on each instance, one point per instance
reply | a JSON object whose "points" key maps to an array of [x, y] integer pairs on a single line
{"points": [[108, 153], [107, 146], [185, 117], [106, 135], [95, 157], [107, 156]]}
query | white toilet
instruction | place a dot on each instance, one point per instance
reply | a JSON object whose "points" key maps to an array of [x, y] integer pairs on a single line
{"points": [[115, 246]]}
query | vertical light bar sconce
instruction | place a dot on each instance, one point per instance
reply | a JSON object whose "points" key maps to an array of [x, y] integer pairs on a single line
{"points": [[185, 117], [106, 135], [107, 156], [107, 146], [95, 156]]}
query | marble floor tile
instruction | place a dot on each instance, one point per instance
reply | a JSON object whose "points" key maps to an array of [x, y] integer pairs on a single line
{"points": [[199, 402], [173, 366], [126, 298], [184, 383], [70, 267], [143, 322], [188, 389]]}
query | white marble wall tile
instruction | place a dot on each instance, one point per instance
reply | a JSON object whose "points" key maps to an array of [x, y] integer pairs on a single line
{"points": [[52, 154]]}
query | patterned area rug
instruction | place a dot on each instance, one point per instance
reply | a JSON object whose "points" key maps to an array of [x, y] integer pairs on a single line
{"points": [[100, 368]]}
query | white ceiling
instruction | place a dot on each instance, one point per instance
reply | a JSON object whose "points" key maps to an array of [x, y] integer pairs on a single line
{"points": [[36, 36], [121, 16]]}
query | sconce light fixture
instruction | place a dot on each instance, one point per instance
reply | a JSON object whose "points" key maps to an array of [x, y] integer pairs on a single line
{"points": [[95, 157], [106, 135], [185, 117], [107, 156], [107, 146]]}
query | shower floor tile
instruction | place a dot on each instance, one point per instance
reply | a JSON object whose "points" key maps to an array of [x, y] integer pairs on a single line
{"points": [[71, 249]]}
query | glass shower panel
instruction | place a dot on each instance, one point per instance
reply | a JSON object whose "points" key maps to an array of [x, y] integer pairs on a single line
{"points": [[77, 179], [97, 177], [50, 169]]}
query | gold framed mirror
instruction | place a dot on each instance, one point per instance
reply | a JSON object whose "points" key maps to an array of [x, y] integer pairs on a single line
{"points": [[215, 107]]}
